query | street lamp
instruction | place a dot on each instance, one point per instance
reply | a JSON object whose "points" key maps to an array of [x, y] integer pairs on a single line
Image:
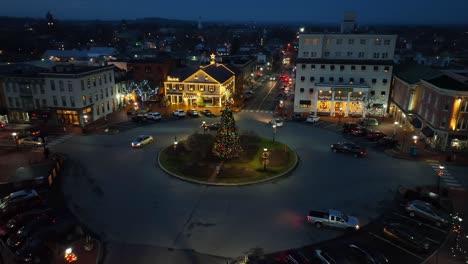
{"points": [[265, 158], [274, 133], [16, 139], [440, 173], [205, 127], [175, 143], [395, 124]]}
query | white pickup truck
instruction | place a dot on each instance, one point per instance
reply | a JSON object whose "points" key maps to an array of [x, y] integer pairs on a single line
{"points": [[333, 218]]}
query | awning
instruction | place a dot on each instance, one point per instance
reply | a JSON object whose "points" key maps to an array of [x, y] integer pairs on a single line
{"points": [[190, 96], [416, 122], [427, 131], [305, 102]]}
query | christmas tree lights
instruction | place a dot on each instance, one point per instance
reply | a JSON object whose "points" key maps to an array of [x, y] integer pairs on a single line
{"points": [[227, 143]]}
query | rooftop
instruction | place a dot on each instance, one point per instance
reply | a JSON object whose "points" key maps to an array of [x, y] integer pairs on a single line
{"points": [[413, 73]]}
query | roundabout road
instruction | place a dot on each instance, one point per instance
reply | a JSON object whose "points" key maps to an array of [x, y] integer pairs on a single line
{"points": [[121, 194]]}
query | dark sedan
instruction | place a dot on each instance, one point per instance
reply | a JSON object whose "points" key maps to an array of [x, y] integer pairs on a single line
{"points": [[207, 112], [374, 135], [214, 126], [387, 142], [19, 220], [359, 131], [17, 239], [406, 236], [350, 148]]}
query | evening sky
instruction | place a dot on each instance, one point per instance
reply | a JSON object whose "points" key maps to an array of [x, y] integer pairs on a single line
{"points": [[309, 11]]}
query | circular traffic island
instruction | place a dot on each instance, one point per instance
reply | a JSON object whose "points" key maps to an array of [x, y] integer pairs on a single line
{"points": [[258, 160]]}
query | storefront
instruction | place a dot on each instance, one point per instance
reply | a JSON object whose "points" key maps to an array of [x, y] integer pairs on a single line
{"points": [[344, 101]]}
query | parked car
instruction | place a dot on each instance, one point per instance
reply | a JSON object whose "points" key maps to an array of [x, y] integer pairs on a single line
{"points": [[139, 118], [374, 135], [426, 211], [207, 112], [312, 119], [367, 255], [368, 122], [348, 147], [33, 131], [359, 131], [179, 113], [248, 94], [333, 218], [15, 240], [406, 236], [214, 126], [387, 142], [298, 117], [348, 126], [15, 201], [155, 116], [31, 141], [19, 220], [33, 250], [142, 140], [278, 122], [192, 113]]}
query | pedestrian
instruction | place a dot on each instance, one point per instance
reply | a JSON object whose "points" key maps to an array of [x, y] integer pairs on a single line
{"points": [[46, 153]]}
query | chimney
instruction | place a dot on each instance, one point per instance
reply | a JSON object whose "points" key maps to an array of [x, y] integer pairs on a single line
{"points": [[349, 22]]}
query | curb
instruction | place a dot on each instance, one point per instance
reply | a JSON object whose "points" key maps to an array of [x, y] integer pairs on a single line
{"points": [[224, 184]]}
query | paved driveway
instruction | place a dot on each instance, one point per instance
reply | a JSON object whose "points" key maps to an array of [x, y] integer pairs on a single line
{"points": [[121, 194]]}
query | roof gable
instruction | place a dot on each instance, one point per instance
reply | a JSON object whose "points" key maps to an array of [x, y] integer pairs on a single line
{"points": [[219, 72]]}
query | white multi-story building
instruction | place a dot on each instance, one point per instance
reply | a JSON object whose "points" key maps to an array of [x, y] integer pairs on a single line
{"points": [[70, 94], [346, 74]]}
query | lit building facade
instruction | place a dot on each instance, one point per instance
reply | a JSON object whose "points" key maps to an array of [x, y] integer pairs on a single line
{"points": [[67, 95], [209, 85], [346, 74], [432, 105]]}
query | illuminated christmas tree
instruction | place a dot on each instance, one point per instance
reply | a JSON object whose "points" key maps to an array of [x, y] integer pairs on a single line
{"points": [[227, 143]]}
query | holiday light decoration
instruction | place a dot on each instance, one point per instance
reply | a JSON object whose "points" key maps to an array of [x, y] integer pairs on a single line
{"points": [[142, 90], [227, 143]]}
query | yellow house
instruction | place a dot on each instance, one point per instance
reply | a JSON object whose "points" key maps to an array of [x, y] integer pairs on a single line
{"points": [[209, 85]]}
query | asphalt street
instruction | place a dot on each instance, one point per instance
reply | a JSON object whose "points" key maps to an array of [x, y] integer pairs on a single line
{"points": [[121, 194]]}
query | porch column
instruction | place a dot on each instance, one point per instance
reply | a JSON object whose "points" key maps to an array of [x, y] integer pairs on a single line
{"points": [[347, 105], [332, 107]]}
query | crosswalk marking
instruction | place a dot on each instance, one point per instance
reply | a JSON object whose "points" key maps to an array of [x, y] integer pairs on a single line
{"points": [[450, 181], [256, 111]]}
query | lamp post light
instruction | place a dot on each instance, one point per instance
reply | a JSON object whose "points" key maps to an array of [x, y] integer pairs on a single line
{"points": [[440, 173], [175, 144], [395, 125], [16, 139], [274, 133], [415, 140], [265, 158], [205, 127]]}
